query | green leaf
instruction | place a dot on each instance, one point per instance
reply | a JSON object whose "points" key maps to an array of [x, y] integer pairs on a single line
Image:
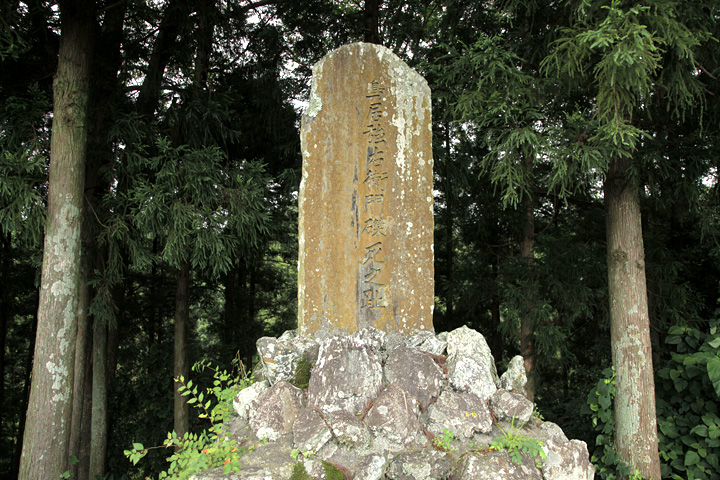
{"points": [[713, 368], [138, 446], [691, 458]]}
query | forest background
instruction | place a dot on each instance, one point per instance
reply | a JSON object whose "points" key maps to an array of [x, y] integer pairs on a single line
{"points": [[189, 243]]}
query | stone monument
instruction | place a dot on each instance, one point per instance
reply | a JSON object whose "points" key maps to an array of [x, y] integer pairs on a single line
{"points": [[366, 202]]}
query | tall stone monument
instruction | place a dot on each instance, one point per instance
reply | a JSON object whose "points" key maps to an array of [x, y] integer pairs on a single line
{"points": [[366, 201]]}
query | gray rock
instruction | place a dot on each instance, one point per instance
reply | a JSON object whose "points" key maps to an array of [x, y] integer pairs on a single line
{"points": [[427, 342], [462, 414], [310, 432], [349, 430], [371, 467], [496, 465], [371, 338], [268, 461], [416, 372], [515, 378], [512, 406], [347, 376], [243, 401], [275, 410], [566, 460], [427, 464], [278, 357], [470, 364], [394, 415]]}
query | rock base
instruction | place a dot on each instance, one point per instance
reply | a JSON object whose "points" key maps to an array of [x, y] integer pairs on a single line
{"points": [[383, 406]]}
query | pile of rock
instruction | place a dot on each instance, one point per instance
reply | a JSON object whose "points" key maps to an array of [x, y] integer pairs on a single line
{"points": [[384, 406]]}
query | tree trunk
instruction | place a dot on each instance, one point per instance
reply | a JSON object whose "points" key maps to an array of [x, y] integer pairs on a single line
{"points": [[98, 432], [527, 252], [372, 21], [25, 397], [47, 428], [636, 438], [181, 364], [82, 348], [83, 466], [4, 280]]}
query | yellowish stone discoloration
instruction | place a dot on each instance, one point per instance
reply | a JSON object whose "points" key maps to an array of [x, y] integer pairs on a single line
{"points": [[366, 220]]}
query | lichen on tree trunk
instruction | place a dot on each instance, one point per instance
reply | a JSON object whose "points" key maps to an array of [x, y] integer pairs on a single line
{"points": [[47, 428], [635, 418]]}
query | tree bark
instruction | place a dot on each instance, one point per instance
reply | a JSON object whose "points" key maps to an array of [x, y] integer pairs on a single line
{"points": [[372, 21], [4, 280], [82, 348], [47, 428], [636, 438], [98, 432], [527, 252], [181, 364]]}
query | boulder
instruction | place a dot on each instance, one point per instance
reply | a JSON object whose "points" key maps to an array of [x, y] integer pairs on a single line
{"points": [[515, 378], [426, 464], [461, 414], [347, 375], [383, 406], [416, 372], [513, 407], [275, 410], [470, 364]]}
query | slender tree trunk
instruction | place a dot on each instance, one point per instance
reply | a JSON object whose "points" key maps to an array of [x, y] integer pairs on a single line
{"points": [[25, 396], [83, 466], [98, 433], [181, 364], [46, 441], [82, 350], [527, 327], [635, 418], [372, 21], [4, 280]]}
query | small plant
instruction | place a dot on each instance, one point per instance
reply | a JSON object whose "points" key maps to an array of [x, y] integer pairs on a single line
{"points": [[444, 442], [194, 453], [516, 444]]}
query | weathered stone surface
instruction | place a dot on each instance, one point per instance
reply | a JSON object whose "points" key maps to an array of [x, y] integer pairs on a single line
{"points": [[275, 410], [371, 467], [470, 364], [427, 342], [566, 460], [243, 401], [366, 202], [515, 378], [394, 416], [416, 372], [427, 464], [310, 432], [278, 357], [462, 414], [496, 465], [347, 376], [349, 430], [393, 439], [512, 406]]}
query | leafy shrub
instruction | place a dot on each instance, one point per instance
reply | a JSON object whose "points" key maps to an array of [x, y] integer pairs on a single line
{"points": [[687, 391], [688, 394], [194, 453]]}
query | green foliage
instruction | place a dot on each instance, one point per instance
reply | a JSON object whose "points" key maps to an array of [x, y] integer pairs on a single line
{"points": [[194, 453], [516, 444], [444, 442], [687, 407], [688, 392]]}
